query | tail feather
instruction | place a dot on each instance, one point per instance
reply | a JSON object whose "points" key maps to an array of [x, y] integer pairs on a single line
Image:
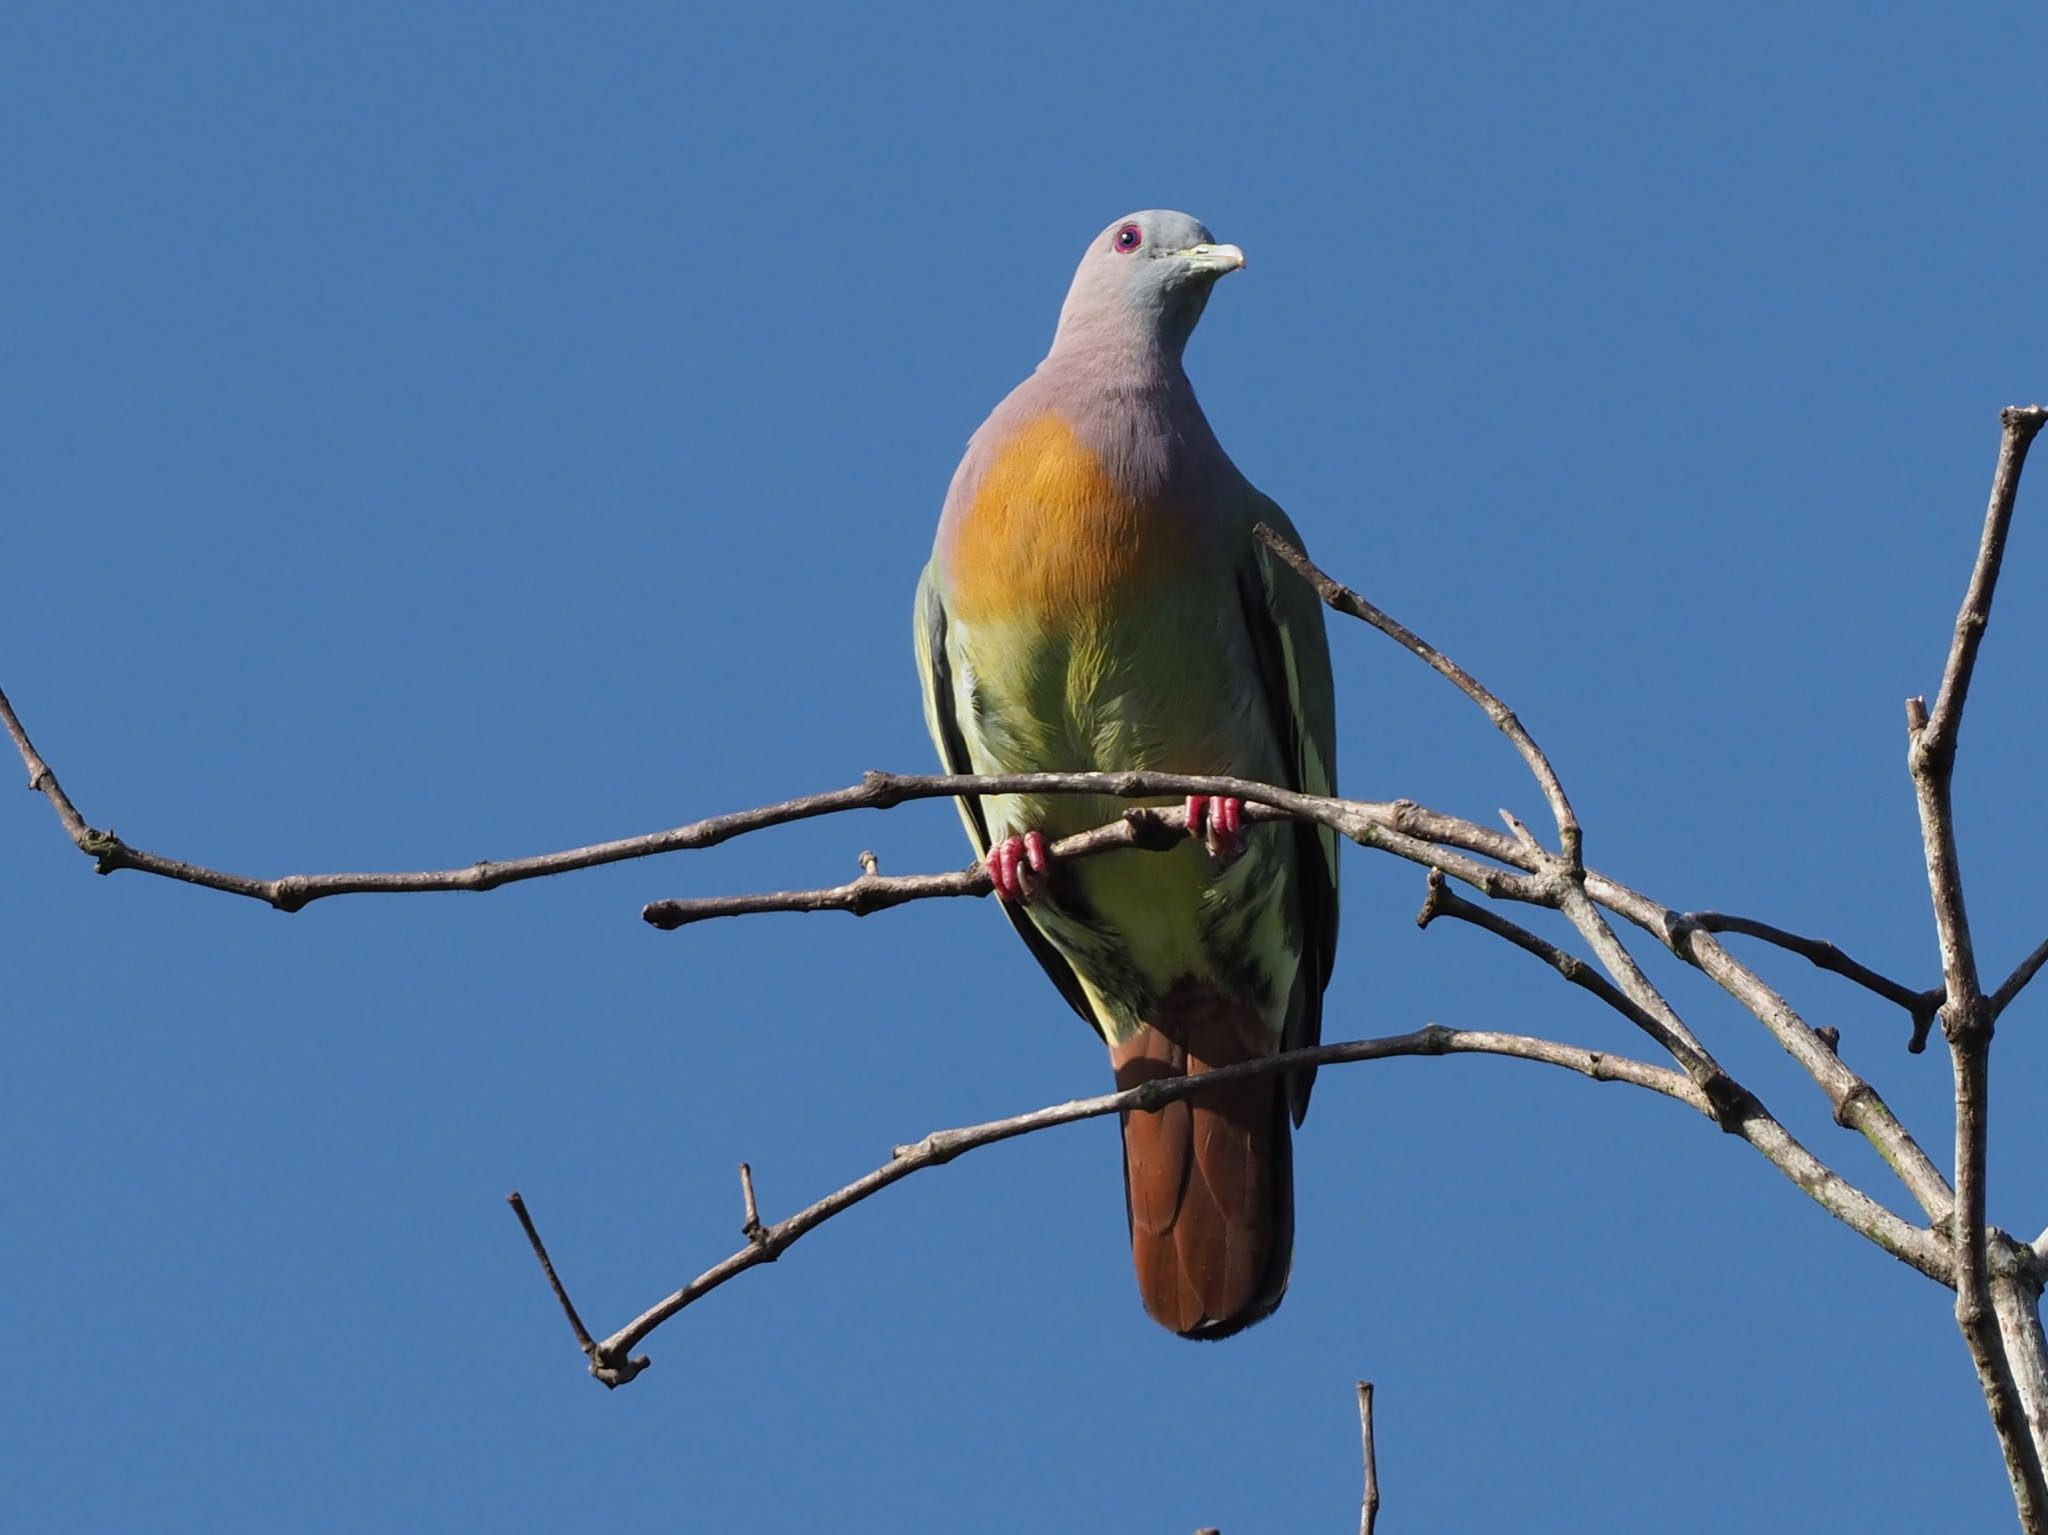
{"points": [[1208, 1180]]}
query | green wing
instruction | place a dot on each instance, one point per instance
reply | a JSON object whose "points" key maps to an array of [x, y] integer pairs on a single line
{"points": [[941, 702], [1284, 617]]}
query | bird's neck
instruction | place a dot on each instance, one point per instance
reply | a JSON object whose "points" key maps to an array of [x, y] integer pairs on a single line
{"points": [[1093, 358], [1132, 341]]}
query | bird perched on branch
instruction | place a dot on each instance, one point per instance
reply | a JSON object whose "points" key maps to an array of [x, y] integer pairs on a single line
{"points": [[1096, 600]]}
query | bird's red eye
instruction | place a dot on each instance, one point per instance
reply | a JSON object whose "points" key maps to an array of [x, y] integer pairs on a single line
{"points": [[1129, 238]]}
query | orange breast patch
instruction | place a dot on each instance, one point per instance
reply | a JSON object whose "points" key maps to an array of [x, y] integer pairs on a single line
{"points": [[1049, 532]]}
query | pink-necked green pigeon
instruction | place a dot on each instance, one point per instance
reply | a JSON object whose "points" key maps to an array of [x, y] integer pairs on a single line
{"points": [[1096, 600]]}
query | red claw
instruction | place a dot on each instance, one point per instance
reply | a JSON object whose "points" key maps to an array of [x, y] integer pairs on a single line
{"points": [[1217, 822], [1019, 866]]}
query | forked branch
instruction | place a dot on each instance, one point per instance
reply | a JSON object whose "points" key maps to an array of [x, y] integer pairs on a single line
{"points": [[1968, 1016]]}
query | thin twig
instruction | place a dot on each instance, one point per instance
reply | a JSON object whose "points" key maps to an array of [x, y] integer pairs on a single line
{"points": [[1440, 900], [2020, 423], [612, 1373], [41, 780], [1360, 821], [1921, 1006], [1369, 1504], [1145, 827], [1735, 1108], [1346, 601], [750, 1227], [2015, 983]]}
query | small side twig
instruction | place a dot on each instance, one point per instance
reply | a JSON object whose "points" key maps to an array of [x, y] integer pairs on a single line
{"points": [[1344, 600], [611, 1372], [1921, 1006], [751, 1227], [41, 780], [1153, 829], [1369, 1504], [2015, 983], [1442, 901]]}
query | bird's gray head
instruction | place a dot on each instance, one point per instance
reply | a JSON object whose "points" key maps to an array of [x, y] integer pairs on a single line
{"points": [[1143, 282]]}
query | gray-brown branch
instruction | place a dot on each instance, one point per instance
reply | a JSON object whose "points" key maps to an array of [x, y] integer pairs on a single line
{"points": [[1921, 1006], [1369, 1502], [1968, 1016], [1344, 600], [613, 1362]]}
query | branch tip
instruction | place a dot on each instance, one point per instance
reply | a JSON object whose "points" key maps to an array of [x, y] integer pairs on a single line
{"points": [[547, 1267], [751, 1228]]}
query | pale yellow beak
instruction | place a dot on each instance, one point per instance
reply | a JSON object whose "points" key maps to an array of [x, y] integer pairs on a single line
{"points": [[1214, 258]]}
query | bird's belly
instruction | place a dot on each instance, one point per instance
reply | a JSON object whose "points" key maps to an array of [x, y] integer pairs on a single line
{"points": [[1146, 685]]}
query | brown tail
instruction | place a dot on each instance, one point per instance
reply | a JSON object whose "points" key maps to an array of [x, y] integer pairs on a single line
{"points": [[1208, 1180]]}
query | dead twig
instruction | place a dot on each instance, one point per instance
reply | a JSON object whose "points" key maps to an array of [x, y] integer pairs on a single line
{"points": [[614, 1372], [1344, 600], [1369, 1504], [1920, 1006]]}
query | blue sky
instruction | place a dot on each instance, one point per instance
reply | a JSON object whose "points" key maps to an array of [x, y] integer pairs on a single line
{"points": [[436, 433]]}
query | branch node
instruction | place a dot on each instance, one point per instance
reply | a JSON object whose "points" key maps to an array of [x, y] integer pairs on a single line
{"points": [[1924, 1020], [1150, 831], [1522, 834], [1432, 898], [1733, 1104], [613, 1372]]}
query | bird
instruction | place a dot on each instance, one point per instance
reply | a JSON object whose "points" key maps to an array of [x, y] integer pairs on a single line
{"points": [[1096, 600]]}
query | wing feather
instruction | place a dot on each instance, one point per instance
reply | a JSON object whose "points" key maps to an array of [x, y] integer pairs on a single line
{"points": [[941, 703], [1285, 620]]}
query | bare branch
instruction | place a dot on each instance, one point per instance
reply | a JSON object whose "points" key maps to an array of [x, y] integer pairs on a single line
{"points": [[612, 1373], [2015, 983], [1734, 1107], [1441, 901], [1921, 1006], [1856, 1103], [44, 782], [1967, 1015], [1369, 1504], [612, 1360], [1153, 829], [1346, 601], [1584, 914], [876, 791], [1937, 742]]}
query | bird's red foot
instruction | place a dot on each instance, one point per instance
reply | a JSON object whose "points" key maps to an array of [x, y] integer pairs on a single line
{"points": [[1018, 867], [1217, 822]]}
